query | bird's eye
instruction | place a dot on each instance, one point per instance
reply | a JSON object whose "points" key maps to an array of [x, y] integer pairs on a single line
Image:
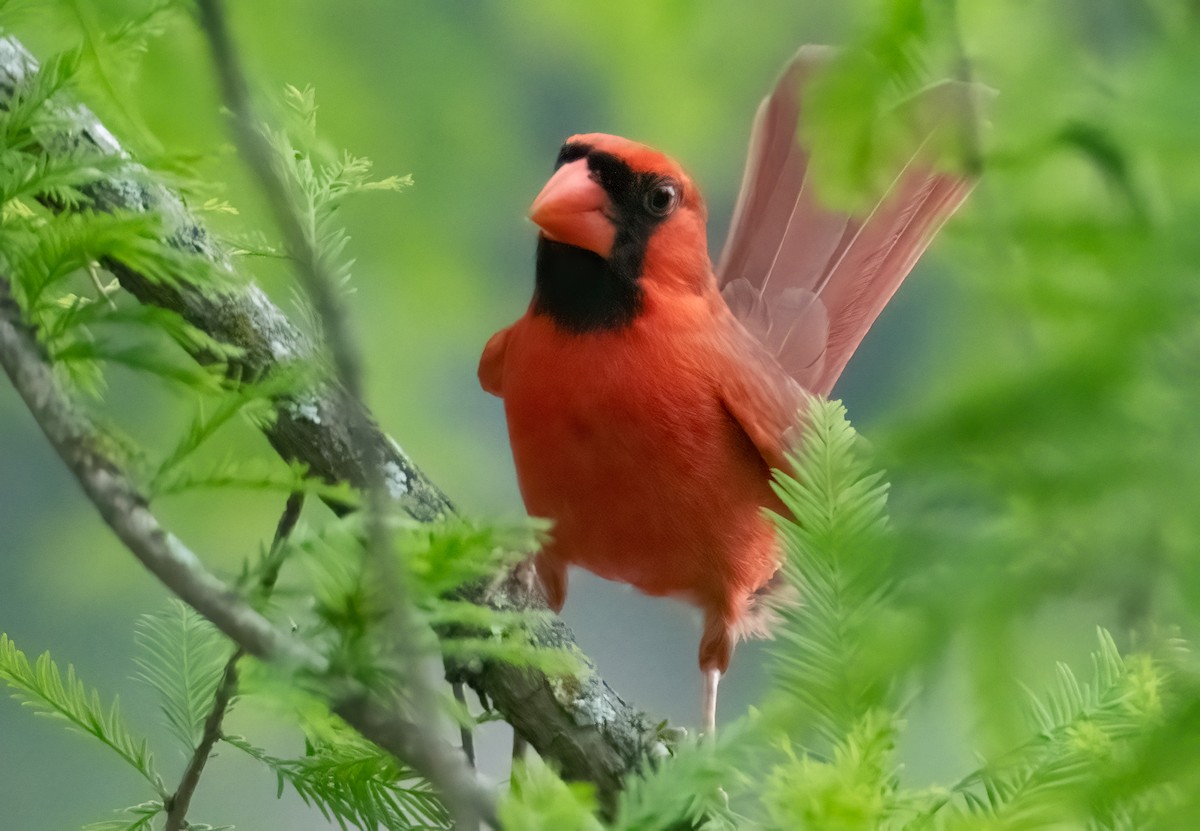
{"points": [[662, 198]]}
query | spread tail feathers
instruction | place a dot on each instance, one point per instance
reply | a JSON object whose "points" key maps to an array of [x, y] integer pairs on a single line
{"points": [[808, 281]]}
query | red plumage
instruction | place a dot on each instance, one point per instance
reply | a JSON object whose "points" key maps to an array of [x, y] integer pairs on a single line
{"points": [[648, 398]]}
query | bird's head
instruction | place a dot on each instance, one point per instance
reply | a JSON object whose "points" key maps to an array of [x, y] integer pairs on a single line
{"points": [[629, 205]]}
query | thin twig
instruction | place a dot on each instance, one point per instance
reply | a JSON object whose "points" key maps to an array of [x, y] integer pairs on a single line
{"points": [[273, 562], [178, 803]]}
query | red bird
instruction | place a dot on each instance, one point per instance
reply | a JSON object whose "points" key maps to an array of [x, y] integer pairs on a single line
{"points": [[648, 398]]}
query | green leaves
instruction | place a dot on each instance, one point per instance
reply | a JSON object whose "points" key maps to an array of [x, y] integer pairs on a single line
{"points": [[692, 787], [836, 563], [827, 683], [441, 562], [134, 818], [53, 248], [853, 790], [47, 690], [322, 180], [181, 657], [112, 56], [1084, 732], [27, 112], [539, 801], [354, 783]]}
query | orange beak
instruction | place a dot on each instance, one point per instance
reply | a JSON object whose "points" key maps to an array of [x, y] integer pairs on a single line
{"points": [[570, 209]]}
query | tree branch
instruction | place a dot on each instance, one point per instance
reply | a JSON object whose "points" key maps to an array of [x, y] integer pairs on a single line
{"points": [[125, 510], [580, 723]]}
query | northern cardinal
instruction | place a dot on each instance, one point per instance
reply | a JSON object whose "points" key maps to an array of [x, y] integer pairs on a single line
{"points": [[648, 397]]}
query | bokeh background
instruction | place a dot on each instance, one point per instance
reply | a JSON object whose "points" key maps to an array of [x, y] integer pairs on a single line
{"points": [[1036, 354]]}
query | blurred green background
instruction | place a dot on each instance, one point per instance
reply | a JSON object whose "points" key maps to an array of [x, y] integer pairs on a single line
{"points": [[1030, 387]]}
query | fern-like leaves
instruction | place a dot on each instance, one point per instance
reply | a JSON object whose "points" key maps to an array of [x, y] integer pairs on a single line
{"points": [[354, 783], [46, 689], [692, 787], [26, 110], [1080, 729], [441, 560], [539, 801], [322, 180], [134, 818], [834, 561], [111, 58], [181, 657], [855, 787]]}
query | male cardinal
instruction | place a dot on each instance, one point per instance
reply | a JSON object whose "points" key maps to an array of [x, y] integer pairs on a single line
{"points": [[648, 397]]}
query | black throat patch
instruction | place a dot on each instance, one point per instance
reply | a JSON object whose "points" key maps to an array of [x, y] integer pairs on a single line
{"points": [[580, 290]]}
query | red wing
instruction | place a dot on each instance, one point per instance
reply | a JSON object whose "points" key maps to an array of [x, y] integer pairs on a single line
{"points": [[491, 363], [808, 281], [763, 399]]}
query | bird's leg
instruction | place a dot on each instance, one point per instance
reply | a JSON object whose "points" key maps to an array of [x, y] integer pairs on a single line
{"points": [[716, 647], [711, 678]]}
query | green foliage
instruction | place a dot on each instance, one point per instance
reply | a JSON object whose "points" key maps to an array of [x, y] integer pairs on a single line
{"points": [[834, 563], [825, 676], [186, 467], [53, 253], [692, 787], [53, 248], [57, 252], [45, 689], [322, 180], [540, 801], [181, 657], [136, 818], [1083, 738], [27, 115], [439, 562], [112, 52], [854, 789], [354, 783]]}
